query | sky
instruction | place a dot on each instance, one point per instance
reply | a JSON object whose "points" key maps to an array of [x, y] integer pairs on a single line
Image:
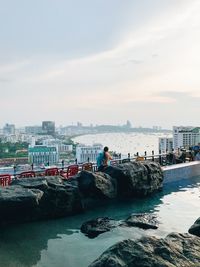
{"points": [[100, 62]]}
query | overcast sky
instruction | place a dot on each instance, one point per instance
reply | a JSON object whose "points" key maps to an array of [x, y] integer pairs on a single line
{"points": [[100, 62]]}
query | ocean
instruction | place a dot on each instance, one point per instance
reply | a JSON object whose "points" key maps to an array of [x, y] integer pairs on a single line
{"points": [[125, 143]]}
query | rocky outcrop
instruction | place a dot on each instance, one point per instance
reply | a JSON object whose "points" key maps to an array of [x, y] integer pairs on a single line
{"points": [[37, 198], [31, 199], [97, 185], [136, 178], [98, 226], [142, 220], [176, 250], [195, 228]]}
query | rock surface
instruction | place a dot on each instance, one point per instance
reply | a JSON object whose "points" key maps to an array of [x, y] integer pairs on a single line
{"points": [[195, 228], [144, 221], [136, 178], [176, 250], [47, 197], [97, 184], [31, 199], [98, 226]]}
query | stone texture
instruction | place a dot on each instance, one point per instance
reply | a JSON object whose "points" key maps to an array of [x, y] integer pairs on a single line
{"points": [[29, 199], [176, 250], [195, 228], [98, 226], [136, 178], [144, 221], [97, 185]]}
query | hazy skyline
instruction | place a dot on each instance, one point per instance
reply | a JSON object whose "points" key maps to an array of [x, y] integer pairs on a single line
{"points": [[100, 62]]}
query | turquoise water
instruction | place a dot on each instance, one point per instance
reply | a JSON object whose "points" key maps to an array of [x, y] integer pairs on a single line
{"points": [[60, 243]]}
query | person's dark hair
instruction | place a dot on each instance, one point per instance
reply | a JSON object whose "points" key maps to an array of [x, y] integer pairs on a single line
{"points": [[105, 149]]}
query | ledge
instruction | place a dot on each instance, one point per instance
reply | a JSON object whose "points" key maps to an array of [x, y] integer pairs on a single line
{"points": [[181, 171]]}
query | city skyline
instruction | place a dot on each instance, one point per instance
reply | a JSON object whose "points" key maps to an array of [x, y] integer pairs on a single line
{"points": [[100, 62]]}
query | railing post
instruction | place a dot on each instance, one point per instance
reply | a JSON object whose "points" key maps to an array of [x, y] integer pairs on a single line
{"points": [[14, 169], [152, 155], [160, 157], [63, 163]]}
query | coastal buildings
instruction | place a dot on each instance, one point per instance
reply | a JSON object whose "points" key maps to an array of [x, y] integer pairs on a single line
{"points": [[39, 154], [165, 144], [87, 153], [185, 136]]}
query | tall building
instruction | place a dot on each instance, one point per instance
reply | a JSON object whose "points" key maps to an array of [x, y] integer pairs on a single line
{"points": [[165, 144], [85, 153], [185, 136], [9, 129], [48, 127]]}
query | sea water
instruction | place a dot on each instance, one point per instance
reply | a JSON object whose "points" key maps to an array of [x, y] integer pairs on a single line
{"points": [[125, 143], [60, 243]]}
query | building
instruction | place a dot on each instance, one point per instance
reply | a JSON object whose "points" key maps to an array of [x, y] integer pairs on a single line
{"points": [[87, 153], [48, 127], [165, 144], [58, 143], [39, 154], [9, 129], [33, 129], [185, 137]]}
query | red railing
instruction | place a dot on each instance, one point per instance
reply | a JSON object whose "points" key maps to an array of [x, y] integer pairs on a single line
{"points": [[5, 179]]}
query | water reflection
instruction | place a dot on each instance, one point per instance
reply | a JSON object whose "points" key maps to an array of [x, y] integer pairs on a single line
{"points": [[60, 243]]}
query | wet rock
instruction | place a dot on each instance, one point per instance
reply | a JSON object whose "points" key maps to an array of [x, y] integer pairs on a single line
{"points": [[136, 178], [144, 221], [30, 199], [195, 228], [97, 185], [95, 227], [176, 250], [18, 204]]}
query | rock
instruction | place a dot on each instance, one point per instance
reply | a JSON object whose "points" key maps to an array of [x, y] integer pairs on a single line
{"points": [[176, 250], [95, 227], [195, 228], [18, 204], [144, 221], [136, 178], [30, 199], [97, 185]]}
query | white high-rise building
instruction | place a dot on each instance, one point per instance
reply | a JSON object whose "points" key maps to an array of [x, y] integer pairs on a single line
{"points": [[185, 137], [85, 153], [165, 144]]}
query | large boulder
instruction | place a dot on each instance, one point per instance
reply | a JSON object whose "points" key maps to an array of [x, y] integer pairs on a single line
{"points": [[176, 250], [29, 199], [97, 185], [18, 204], [136, 178], [195, 228]]}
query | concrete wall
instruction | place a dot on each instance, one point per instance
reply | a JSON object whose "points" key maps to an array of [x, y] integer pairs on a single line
{"points": [[181, 171]]}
